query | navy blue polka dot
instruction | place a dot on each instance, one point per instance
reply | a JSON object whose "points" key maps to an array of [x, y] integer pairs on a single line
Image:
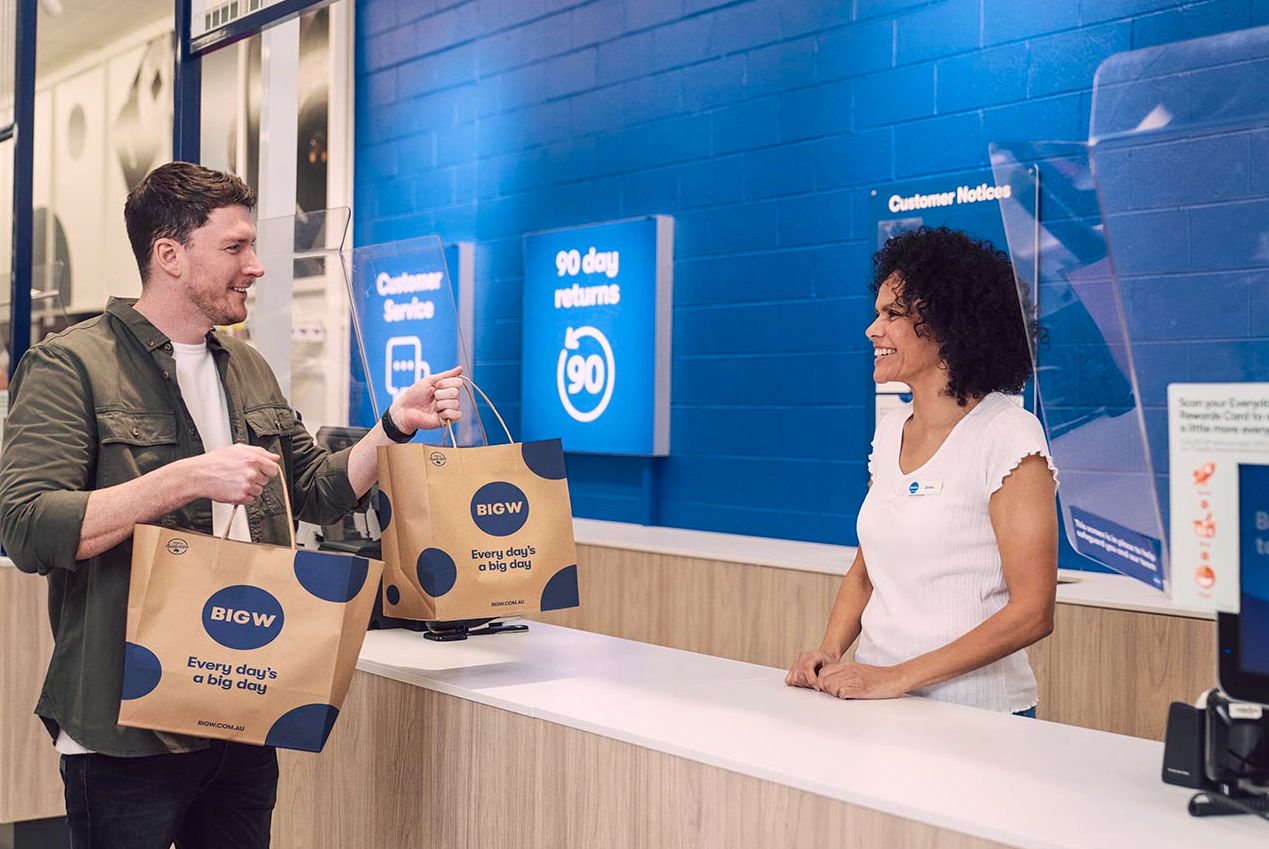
{"points": [[305, 728], [243, 617], [499, 508], [385, 510], [561, 591], [331, 577], [141, 671], [393, 594], [437, 572], [545, 458]]}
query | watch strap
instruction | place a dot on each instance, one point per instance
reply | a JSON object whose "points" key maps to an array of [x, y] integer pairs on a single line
{"points": [[391, 430]]}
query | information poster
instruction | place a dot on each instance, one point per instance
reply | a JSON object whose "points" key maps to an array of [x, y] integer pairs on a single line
{"points": [[1214, 430], [409, 320], [969, 202], [596, 337]]}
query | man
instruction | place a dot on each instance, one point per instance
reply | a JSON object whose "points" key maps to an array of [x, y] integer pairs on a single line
{"points": [[146, 414]]}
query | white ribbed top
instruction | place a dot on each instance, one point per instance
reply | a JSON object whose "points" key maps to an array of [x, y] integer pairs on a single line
{"points": [[932, 557]]}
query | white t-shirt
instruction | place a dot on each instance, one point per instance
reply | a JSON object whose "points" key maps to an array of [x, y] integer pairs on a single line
{"points": [[204, 395], [931, 551]]}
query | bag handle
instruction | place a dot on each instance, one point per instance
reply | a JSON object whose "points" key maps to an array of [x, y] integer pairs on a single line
{"points": [[290, 517], [449, 427]]}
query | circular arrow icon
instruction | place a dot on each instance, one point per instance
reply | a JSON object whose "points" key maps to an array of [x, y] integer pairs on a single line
{"points": [[575, 372]]}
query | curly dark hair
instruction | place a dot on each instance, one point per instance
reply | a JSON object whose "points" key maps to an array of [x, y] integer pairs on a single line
{"points": [[962, 293]]}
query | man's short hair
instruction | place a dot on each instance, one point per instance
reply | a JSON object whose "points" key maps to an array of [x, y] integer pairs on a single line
{"points": [[173, 201]]}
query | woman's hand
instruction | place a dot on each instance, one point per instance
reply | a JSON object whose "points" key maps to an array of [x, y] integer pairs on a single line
{"points": [[806, 667], [849, 680]]}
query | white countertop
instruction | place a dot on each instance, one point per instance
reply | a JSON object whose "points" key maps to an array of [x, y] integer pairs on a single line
{"points": [[1022, 782], [1089, 589]]}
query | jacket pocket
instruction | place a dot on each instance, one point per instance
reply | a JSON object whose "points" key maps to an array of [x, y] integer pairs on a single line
{"points": [[270, 427], [135, 442]]}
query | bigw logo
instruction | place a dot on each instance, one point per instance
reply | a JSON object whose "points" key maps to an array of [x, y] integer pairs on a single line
{"points": [[243, 617], [499, 508]]}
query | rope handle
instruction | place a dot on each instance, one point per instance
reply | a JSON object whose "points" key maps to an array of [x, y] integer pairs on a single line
{"points": [[449, 427], [286, 499]]}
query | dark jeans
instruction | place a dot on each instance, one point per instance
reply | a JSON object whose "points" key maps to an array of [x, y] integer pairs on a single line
{"points": [[219, 797], [1029, 713]]}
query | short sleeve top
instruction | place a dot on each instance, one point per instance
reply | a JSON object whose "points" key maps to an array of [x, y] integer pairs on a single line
{"points": [[931, 551]]}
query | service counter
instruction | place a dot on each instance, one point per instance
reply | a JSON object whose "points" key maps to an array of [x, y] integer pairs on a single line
{"points": [[1120, 651], [1118, 655], [560, 738]]}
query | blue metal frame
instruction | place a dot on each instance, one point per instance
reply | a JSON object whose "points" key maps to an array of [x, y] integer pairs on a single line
{"points": [[187, 94], [251, 24], [187, 91], [23, 165]]}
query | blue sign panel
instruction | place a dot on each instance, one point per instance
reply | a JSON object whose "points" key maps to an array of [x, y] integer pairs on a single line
{"points": [[596, 336], [1253, 567], [968, 202], [1122, 549], [409, 325]]}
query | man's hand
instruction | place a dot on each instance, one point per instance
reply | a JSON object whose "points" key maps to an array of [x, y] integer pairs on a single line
{"points": [[806, 668], [430, 403], [236, 474], [849, 680]]}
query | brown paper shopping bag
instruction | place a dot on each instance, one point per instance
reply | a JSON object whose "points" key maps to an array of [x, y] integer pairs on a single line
{"points": [[478, 532], [242, 641]]}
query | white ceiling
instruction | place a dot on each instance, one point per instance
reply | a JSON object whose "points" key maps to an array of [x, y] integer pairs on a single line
{"points": [[84, 26]]}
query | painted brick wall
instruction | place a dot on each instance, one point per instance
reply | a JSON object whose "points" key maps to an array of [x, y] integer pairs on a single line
{"points": [[760, 125]]}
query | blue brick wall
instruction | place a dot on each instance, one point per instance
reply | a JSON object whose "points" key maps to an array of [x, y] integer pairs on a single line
{"points": [[760, 125]]}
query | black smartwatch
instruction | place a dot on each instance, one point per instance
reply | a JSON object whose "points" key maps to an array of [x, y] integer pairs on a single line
{"points": [[392, 431]]}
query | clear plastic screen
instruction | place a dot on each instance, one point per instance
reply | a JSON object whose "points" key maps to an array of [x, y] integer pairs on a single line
{"points": [[1148, 249], [297, 313], [1084, 370], [1179, 140], [408, 327]]}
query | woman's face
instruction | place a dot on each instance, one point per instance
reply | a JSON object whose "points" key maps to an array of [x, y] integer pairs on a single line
{"points": [[899, 351]]}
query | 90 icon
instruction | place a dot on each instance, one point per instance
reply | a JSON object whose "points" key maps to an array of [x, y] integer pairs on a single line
{"points": [[585, 373]]}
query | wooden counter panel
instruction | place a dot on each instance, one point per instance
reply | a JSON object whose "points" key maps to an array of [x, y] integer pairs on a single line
{"points": [[409, 768], [1118, 670], [758, 614], [395, 772], [1112, 670], [30, 786]]}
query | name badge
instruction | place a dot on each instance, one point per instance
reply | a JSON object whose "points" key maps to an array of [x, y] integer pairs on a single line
{"points": [[925, 487]]}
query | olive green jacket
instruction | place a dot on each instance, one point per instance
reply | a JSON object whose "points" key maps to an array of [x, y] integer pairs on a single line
{"points": [[99, 405]]}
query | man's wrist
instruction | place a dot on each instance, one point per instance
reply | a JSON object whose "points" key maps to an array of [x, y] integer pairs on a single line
{"points": [[180, 484], [392, 431]]}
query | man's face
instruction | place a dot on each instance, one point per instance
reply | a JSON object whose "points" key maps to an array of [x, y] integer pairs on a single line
{"points": [[222, 265]]}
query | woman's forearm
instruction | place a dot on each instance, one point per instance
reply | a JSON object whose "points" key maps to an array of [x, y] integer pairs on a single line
{"points": [[1013, 627], [848, 609]]}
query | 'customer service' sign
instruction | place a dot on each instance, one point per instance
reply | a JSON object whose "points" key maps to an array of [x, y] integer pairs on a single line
{"points": [[596, 336], [410, 325]]}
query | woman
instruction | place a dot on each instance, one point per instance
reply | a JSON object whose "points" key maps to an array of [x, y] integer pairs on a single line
{"points": [[956, 569]]}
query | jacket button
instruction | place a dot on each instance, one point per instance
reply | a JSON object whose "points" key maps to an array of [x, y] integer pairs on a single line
{"points": [[165, 374], [136, 431]]}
